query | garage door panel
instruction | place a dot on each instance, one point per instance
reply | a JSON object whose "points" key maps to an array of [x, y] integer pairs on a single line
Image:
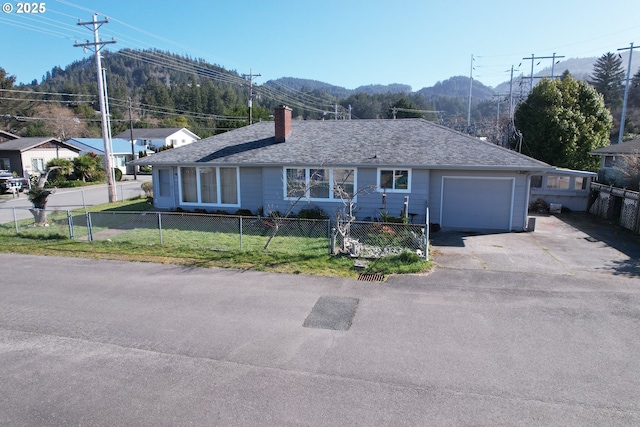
{"points": [[481, 203]]}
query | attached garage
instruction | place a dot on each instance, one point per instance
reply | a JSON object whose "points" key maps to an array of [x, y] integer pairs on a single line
{"points": [[477, 202]]}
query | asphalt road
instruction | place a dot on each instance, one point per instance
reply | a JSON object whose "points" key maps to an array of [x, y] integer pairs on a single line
{"points": [[103, 343], [71, 198]]}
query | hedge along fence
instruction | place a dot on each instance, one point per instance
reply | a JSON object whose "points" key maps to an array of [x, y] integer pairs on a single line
{"points": [[192, 231]]}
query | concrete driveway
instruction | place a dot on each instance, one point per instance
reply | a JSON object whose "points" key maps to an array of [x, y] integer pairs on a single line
{"points": [[561, 244]]}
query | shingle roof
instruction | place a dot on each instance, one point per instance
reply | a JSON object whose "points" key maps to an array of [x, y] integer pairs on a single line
{"points": [[627, 147], [23, 144], [403, 142], [151, 133]]}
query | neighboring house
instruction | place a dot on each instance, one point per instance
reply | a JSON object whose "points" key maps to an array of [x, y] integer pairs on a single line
{"points": [[27, 156], [612, 159], [6, 136], [466, 183], [120, 151], [159, 137], [565, 187]]}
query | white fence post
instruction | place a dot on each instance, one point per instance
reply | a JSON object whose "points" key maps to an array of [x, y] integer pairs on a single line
{"points": [[426, 235], [160, 225], [15, 221]]}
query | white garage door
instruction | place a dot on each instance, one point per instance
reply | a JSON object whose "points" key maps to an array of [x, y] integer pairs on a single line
{"points": [[477, 203]]}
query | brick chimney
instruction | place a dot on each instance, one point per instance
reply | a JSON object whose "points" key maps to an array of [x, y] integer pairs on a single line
{"points": [[282, 117]]}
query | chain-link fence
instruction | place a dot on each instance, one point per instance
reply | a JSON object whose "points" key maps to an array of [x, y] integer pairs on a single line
{"points": [[189, 231], [380, 239]]}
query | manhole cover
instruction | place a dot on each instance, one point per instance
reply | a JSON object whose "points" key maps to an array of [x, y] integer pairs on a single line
{"points": [[335, 313], [370, 277]]}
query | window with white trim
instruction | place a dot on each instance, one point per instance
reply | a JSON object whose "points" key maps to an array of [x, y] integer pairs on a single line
{"points": [[37, 165], [209, 185], [319, 183], [394, 180]]}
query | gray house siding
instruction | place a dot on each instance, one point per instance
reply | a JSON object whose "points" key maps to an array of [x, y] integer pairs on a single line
{"points": [[251, 187], [272, 188]]}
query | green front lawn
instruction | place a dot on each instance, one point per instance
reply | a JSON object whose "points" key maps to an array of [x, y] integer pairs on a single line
{"points": [[138, 240]]}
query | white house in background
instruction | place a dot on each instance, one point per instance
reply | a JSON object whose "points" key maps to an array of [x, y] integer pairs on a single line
{"points": [[156, 138]]}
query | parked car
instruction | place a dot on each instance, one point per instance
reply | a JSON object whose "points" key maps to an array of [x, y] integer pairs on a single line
{"points": [[9, 183]]}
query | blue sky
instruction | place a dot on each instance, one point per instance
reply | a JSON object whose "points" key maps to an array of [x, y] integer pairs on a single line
{"points": [[348, 43]]}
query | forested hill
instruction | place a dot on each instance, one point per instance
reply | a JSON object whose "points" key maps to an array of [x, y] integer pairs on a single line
{"points": [[173, 90], [337, 91]]}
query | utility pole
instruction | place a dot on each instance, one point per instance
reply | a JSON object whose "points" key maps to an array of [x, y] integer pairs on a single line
{"points": [[251, 76], [626, 92], [97, 45], [533, 58], [470, 91], [511, 96], [133, 152], [553, 64]]}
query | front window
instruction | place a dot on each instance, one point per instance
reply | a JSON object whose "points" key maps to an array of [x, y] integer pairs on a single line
{"points": [[189, 185], [320, 184], [37, 165], [536, 181], [209, 185], [558, 182], [394, 180], [5, 164], [164, 182], [609, 161], [580, 183]]}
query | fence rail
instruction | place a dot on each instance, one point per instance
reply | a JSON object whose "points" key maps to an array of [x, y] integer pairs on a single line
{"points": [[616, 204], [191, 231]]}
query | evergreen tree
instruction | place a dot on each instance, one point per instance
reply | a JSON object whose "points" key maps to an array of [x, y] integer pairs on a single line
{"points": [[562, 121], [608, 74], [399, 110]]}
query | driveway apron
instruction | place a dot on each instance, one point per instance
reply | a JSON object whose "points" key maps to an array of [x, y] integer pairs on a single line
{"points": [[561, 244]]}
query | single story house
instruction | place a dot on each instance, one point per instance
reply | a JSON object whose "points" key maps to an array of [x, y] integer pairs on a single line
{"points": [[156, 138], [272, 166], [120, 151], [28, 156], [612, 159]]}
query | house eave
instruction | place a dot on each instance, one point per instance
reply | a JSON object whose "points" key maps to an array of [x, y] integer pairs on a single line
{"points": [[503, 168]]}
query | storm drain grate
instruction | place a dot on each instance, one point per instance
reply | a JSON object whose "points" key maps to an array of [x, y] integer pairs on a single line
{"points": [[370, 277], [335, 313]]}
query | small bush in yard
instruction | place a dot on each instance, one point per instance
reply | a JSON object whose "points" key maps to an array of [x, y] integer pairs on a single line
{"points": [[147, 187]]}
